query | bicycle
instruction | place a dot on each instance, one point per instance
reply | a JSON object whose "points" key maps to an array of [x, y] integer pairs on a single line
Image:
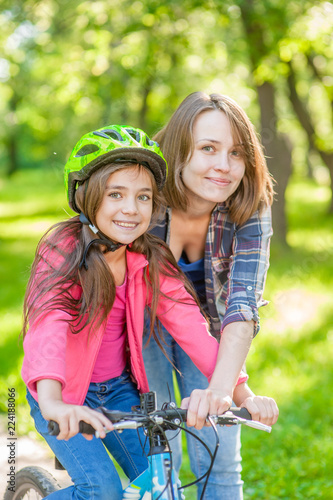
{"points": [[159, 481]]}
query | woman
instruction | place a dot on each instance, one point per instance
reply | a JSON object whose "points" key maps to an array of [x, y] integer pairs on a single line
{"points": [[218, 227]]}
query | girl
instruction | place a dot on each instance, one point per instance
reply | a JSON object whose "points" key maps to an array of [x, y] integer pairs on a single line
{"points": [[218, 227], [91, 280]]}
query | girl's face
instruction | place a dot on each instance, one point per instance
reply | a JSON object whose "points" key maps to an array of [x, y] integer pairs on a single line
{"points": [[217, 164], [127, 204]]}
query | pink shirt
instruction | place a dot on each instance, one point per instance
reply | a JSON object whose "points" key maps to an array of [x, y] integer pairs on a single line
{"points": [[111, 358]]}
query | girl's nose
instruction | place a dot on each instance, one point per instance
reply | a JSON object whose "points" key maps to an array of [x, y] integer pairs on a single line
{"points": [[130, 206]]}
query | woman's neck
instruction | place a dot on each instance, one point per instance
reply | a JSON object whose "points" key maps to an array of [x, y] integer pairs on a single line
{"points": [[197, 208]]}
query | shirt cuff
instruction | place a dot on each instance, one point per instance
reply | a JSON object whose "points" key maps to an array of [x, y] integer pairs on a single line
{"points": [[243, 377]]}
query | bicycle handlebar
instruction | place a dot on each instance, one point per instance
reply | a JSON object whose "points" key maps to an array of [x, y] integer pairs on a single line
{"points": [[170, 418]]}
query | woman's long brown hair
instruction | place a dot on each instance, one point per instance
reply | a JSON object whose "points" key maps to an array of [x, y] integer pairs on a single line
{"points": [[87, 296], [176, 142]]}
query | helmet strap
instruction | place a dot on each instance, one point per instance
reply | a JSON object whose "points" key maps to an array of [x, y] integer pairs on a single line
{"points": [[102, 240], [87, 222]]}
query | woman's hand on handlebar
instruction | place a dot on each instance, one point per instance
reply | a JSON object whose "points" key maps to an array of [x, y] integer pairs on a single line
{"points": [[262, 408], [205, 402]]}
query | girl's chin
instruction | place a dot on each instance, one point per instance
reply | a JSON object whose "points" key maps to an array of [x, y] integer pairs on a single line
{"points": [[125, 239]]}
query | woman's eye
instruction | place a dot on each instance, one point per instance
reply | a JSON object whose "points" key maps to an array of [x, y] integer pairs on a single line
{"points": [[208, 148], [115, 195]]}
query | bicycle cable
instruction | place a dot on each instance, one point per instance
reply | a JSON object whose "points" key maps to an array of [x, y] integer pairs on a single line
{"points": [[169, 481], [212, 456], [212, 423]]}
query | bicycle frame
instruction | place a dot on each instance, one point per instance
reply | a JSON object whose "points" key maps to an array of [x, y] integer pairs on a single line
{"points": [[158, 482]]}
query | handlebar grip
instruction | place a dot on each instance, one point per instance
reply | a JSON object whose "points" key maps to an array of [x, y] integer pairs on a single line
{"points": [[53, 428], [84, 428], [241, 412]]}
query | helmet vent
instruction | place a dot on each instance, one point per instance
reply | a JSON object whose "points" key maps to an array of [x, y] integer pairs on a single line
{"points": [[109, 134], [149, 142], [134, 134], [86, 150]]}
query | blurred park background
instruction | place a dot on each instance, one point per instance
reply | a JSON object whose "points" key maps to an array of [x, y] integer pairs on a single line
{"points": [[67, 67]]}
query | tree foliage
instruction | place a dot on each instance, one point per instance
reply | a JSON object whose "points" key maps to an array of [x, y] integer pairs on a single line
{"points": [[68, 67]]}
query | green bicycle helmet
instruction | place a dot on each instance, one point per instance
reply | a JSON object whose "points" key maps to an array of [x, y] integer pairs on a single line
{"points": [[113, 143]]}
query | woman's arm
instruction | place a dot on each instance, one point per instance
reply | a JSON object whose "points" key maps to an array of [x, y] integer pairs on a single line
{"points": [[217, 398], [246, 278], [249, 263], [68, 416]]}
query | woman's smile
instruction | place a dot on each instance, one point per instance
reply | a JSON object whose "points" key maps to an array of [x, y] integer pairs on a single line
{"points": [[218, 181]]}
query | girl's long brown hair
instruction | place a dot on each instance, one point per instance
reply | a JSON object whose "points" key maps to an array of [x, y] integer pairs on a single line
{"points": [[87, 296], [176, 141]]}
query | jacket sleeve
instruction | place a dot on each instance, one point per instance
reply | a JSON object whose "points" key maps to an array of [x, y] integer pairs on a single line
{"points": [[45, 342], [248, 270], [181, 316], [45, 351]]}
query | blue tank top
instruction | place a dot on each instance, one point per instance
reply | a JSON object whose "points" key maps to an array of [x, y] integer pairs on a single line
{"points": [[195, 272]]}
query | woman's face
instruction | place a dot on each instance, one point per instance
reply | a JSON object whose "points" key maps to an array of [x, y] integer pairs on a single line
{"points": [[127, 204], [217, 164]]}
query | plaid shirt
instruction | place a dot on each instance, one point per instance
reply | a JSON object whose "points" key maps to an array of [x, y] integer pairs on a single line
{"points": [[236, 264]]}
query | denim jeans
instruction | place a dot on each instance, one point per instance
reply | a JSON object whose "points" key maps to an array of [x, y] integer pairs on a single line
{"points": [[87, 462], [225, 480]]}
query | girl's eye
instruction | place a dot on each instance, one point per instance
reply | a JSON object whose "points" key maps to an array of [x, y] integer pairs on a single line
{"points": [[237, 153], [208, 148], [144, 197], [115, 195]]}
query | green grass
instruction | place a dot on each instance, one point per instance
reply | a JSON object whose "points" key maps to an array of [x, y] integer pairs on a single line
{"points": [[291, 359]]}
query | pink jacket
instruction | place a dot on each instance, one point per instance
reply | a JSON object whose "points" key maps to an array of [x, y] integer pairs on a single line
{"points": [[52, 351]]}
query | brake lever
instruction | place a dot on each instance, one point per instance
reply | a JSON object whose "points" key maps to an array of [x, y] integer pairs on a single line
{"points": [[231, 419], [254, 424]]}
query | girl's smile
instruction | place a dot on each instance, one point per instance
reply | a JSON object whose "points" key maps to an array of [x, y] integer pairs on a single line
{"points": [[126, 208], [129, 225]]}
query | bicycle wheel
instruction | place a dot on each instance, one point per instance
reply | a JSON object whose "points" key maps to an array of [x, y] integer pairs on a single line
{"points": [[32, 483]]}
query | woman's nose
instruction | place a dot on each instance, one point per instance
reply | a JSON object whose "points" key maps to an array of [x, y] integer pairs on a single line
{"points": [[222, 163]]}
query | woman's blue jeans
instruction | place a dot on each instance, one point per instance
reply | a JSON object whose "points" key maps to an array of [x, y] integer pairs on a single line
{"points": [[225, 480], [87, 462]]}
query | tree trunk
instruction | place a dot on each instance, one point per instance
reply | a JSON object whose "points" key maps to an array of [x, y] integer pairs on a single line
{"points": [[277, 152], [11, 140], [144, 107], [306, 122], [278, 156], [12, 154]]}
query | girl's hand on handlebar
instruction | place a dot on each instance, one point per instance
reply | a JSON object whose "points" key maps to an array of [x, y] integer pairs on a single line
{"points": [[263, 409], [205, 402], [68, 417]]}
